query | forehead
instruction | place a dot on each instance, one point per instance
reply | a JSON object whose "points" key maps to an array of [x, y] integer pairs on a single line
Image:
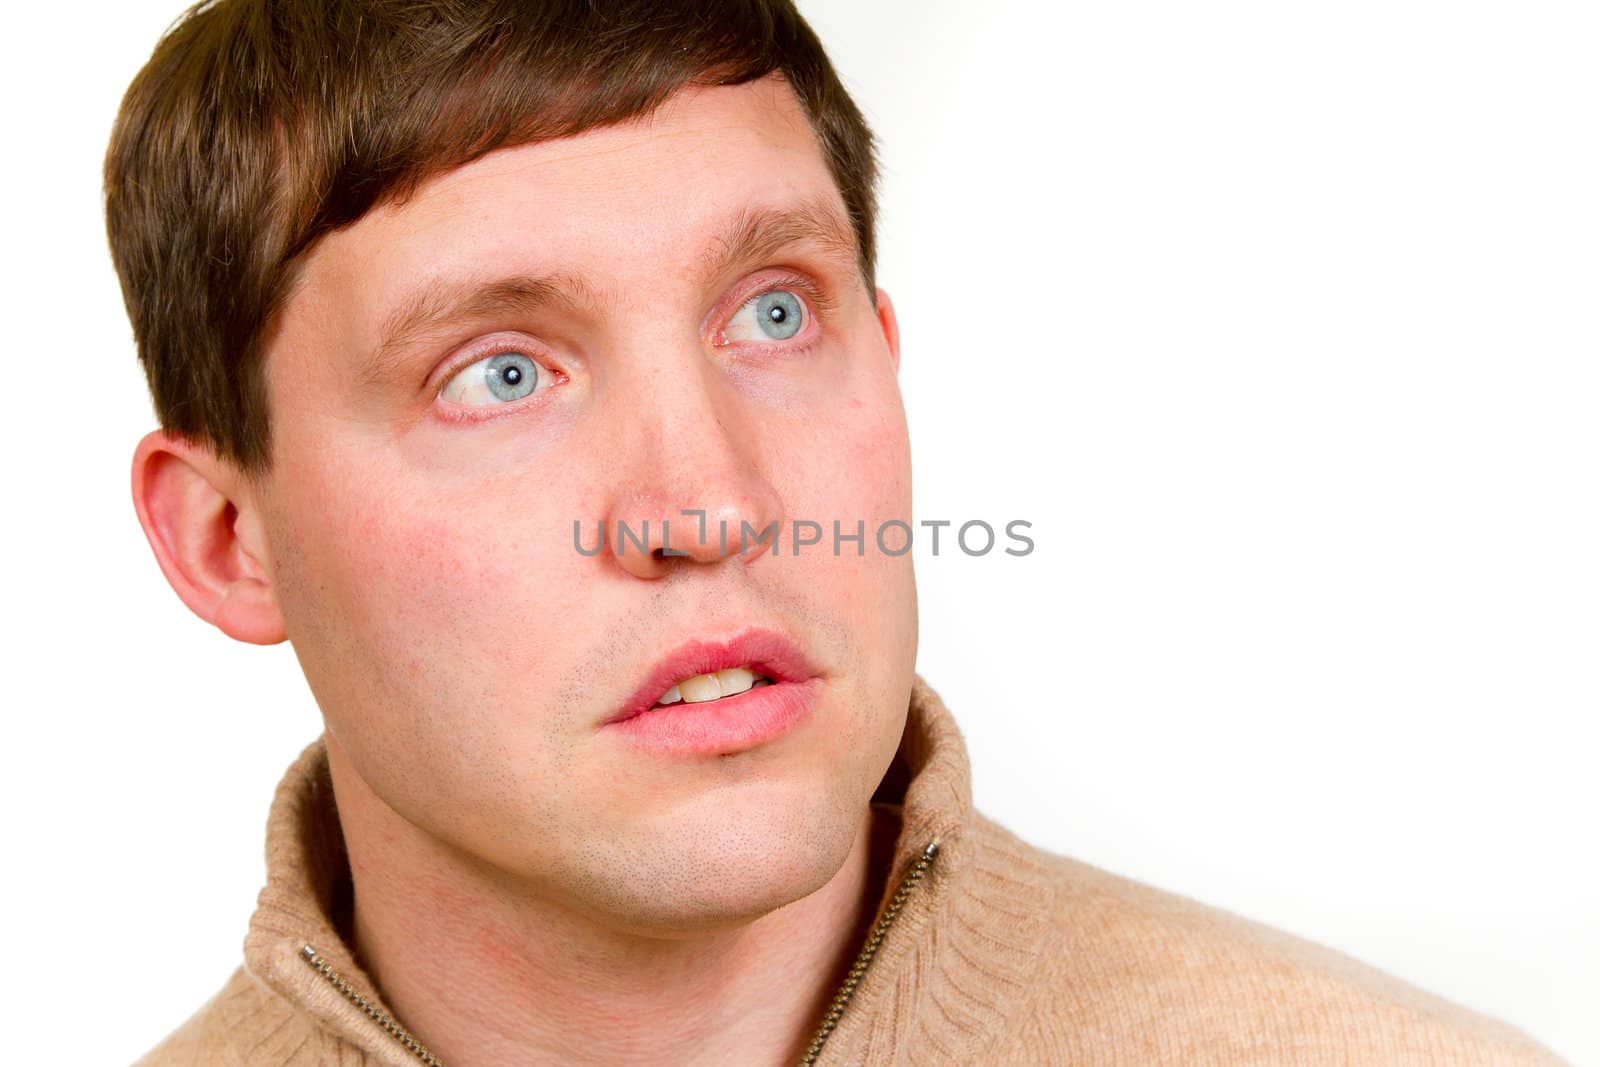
{"points": [[609, 205]]}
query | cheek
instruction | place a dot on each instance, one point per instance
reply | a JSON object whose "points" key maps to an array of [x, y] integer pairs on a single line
{"points": [[882, 451], [425, 588], [851, 462], [854, 468]]}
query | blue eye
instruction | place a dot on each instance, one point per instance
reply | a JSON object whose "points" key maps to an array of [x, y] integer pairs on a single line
{"points": [[776, 315], [779, 315], [499, 379]]}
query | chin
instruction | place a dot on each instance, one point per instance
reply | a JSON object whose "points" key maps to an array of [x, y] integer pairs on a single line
{"points": [[729, 858]]}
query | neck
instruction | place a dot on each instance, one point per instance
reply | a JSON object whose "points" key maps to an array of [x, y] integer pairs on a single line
{"points": [[482, 971]]}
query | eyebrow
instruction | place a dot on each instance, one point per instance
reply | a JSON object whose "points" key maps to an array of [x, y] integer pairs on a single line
{"points": [[748, 237], [760, 233], [442, 301]]}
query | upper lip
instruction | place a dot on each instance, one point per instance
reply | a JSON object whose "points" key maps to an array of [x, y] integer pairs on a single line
{"points": [[766, 652]]}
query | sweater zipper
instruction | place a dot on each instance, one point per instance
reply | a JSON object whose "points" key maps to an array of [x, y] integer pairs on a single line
{"points": [[830, 1019]]}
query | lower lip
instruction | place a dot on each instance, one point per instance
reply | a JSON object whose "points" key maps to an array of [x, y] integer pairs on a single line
{"points": [[721, 727]]}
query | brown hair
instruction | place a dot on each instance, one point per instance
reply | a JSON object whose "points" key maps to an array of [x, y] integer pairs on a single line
{"points": [[258, 126]]}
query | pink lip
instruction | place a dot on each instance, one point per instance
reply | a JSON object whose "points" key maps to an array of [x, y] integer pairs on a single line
{"points": [[763, 651], [732, 723]]}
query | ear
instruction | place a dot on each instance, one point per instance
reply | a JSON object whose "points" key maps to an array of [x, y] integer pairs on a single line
{"points": [[205, 527], [891, 327]]}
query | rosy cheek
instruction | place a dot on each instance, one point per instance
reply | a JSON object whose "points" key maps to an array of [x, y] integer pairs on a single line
{"points": [[880, 451], [390, 564]]}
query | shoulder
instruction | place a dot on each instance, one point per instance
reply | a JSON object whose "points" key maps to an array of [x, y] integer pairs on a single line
{"points": [[245, 1024], [1130, 971]]}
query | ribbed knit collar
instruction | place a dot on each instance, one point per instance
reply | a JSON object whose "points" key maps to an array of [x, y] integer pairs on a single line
{"points": [[955, 962]]}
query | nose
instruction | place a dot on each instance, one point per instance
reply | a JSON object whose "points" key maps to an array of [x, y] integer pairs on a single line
{"points": [[689, 486]]}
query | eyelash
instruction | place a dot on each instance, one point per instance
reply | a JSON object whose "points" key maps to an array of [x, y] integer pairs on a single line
{"points": [[477, 354], [817, 303]]}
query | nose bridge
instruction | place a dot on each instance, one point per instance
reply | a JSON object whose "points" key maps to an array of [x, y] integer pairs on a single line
{"points": [[692, 456]]}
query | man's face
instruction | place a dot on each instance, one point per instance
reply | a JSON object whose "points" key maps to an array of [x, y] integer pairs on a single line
{"points": [[420, 509]]}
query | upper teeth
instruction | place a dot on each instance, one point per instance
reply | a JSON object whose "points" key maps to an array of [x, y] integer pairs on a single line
{"points": [[703, 687]]}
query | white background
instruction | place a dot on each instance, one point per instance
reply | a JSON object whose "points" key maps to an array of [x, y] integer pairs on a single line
{"points": [[1278, 322]]}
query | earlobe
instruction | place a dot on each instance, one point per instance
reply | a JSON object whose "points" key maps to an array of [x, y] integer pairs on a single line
{"points": [[204, 531], [890, 326]]}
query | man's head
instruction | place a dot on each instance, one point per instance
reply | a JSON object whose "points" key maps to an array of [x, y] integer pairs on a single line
{"points": [[493, 270], [259, 126]]}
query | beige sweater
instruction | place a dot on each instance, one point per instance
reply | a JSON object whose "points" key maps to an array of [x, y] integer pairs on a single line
{"points": [[1001, 953]]}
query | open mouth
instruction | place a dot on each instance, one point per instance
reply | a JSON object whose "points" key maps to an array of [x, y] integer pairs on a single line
{"points": [[704, 688], [705, 672]]}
